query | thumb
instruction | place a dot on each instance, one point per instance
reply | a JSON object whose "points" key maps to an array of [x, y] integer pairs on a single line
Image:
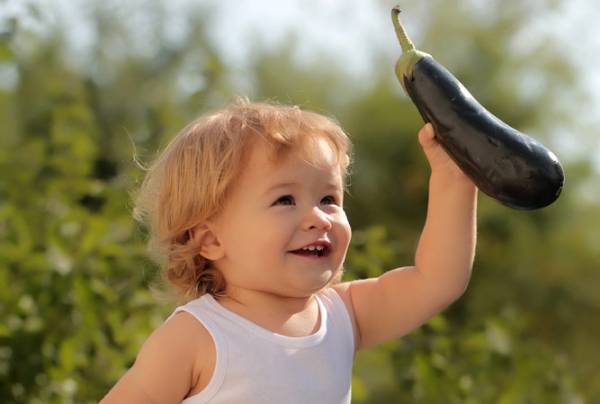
{"points": [[427, 136]]}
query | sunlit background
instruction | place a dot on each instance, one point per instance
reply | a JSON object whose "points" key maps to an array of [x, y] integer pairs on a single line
{"points": [[349, 32], [88, 86]]}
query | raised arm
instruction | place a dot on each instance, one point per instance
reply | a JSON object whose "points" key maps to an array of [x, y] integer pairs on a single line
{"points": [[401, 300]]}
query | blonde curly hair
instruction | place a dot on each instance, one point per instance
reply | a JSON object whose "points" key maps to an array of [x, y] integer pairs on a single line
{"points": [[191, 179]]}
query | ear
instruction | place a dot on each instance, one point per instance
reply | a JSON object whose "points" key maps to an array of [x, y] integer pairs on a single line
{"points": [[207, 241]]}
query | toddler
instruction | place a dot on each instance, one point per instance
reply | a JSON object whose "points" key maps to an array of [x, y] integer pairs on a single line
{"points": [[245, 212]]}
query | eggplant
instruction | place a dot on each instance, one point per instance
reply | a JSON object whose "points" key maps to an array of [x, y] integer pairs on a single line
{"points": [[506, 165]]}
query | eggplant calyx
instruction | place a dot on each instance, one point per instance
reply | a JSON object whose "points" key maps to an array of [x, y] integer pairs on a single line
{"points": [[410, 55]]}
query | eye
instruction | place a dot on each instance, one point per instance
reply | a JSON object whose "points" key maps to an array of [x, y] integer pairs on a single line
{"points": [[285, 200], [329, 200]]}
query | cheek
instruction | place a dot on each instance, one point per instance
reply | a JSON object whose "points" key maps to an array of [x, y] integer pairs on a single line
{"points": [[253, 239], [349, 235], [237, 238], [345, 233]]}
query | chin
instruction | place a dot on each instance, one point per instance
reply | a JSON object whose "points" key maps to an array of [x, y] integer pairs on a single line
{"points": [[332, 279]]}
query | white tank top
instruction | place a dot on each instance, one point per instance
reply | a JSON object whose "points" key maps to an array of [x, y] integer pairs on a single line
{"points": [[255, 365]]}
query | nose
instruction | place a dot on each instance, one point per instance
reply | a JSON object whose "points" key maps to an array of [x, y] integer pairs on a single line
{"points": [[316, 219]]}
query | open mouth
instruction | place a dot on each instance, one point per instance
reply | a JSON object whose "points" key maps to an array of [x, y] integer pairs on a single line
{"points": [[313, 251]]}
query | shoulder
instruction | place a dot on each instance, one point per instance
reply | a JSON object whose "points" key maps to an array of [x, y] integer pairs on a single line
{"points": [[185, 344], [343, 291], [177, 360], [181, 336]]}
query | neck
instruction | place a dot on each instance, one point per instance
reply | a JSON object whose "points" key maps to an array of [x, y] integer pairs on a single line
{"points": [[290, 316]]}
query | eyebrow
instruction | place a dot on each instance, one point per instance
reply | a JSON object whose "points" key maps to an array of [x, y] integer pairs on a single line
{"points": [[293, 184], [280, 185]]}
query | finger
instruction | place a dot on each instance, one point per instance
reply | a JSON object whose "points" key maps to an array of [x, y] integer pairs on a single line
{"points": [[426, 134]]}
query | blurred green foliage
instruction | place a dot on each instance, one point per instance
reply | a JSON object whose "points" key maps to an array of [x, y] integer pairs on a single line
{"points": [[74, 301]]}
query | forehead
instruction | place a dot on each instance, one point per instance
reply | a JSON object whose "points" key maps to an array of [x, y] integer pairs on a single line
{"points": [[317, 154]]}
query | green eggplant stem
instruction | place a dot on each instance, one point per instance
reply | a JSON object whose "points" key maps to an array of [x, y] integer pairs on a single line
{"points": [[405, 42], [410, 55]]}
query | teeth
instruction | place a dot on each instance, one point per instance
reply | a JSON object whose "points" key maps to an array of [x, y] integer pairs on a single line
{"points": [[313, 247]]}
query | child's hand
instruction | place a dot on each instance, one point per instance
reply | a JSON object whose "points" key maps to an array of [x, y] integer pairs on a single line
{"points": [[438, 158]]}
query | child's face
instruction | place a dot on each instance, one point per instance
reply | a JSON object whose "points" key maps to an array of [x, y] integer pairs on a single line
{"points": [[284, 230]]}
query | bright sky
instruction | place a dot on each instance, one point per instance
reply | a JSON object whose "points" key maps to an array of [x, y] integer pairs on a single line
{"points": [[348, 29]]}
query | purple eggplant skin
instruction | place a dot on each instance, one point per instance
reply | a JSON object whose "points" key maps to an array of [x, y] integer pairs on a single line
{"points": [[505, 164]]}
